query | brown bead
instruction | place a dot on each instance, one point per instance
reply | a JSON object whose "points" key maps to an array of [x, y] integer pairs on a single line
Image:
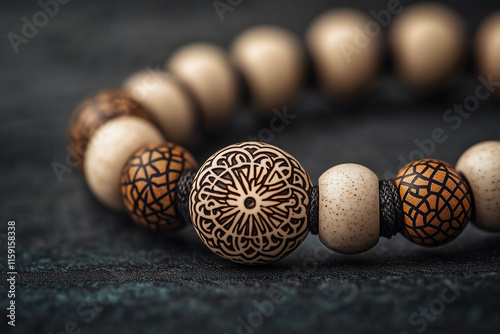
{"points": [[93, 112], [149, 183], [248, 203], [437, 202]]}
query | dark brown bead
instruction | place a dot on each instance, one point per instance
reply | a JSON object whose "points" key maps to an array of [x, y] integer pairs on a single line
{"points": [[93, 112]]}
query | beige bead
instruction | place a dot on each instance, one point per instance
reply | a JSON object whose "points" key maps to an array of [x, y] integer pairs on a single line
{"points": [[346, 50], [169, 105], [205, 70], [428, 42], [488, 47], [109, 148], [272, 61], [480, 165], [349, 211]]}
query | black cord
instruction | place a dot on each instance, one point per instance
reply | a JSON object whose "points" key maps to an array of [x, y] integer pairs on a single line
{"points": [[391, 210]]}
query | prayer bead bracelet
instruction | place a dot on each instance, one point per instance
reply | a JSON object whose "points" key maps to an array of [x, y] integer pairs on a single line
{"points": [[252, 202]]}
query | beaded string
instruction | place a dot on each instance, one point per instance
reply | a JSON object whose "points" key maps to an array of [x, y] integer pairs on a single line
{"points": [[252, 202]]}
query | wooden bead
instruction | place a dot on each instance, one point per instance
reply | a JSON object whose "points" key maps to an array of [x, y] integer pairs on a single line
{"points": [[109, 149], [93, 112], [249, 201], [428, 42], [169, 105], [488, 47], [205, 70], [272, 61], [349, 215], [149, 184], [480, 165], [346, 52], [436, 202]]}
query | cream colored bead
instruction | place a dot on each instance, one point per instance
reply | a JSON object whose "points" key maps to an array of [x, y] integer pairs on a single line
{"points": [[205, 70], [169, 106], [272, 61], [488, 47], [428, 41], [108, 150], [346, 51], [480, 165], [349, 220]]}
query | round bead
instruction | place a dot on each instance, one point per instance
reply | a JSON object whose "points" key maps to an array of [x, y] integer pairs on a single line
{"points": [[436, 202], [205, 70], [169, 105], [273, 63], [480, 165], [93, 112], [249, 201], [149, 184], [428, 41], [488, 47], [346, 53], [108, 151], [349, 219]]}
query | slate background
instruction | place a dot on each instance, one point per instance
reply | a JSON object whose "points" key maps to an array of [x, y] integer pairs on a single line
{"points": [[79, 262]]}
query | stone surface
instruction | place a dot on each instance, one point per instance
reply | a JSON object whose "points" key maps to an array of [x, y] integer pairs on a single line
{"points": [[349, 213], [480, 165], [73, 252]]}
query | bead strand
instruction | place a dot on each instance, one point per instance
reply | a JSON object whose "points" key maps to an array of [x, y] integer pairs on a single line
{"points": [[252, 202]]}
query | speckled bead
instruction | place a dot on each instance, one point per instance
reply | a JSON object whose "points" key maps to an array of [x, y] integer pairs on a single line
{"points": [[272, 61], [480, 165], [205, 70], [248, 203], [345, 58], [110, 147], [168, 103], [96, 110], [349, 221], [437, 202], [149, 183], [428, 42], [487, 48]]}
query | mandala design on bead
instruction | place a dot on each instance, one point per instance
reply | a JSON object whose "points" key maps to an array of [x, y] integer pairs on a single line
{"points": [[96, 110], [249, 203], [149, 183], [437, 202]]}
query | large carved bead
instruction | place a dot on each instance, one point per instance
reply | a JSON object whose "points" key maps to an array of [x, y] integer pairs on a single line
{"points": [[249, 203]]}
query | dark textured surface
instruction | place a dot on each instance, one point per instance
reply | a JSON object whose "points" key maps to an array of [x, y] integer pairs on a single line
{"points": [[80, 262]]}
